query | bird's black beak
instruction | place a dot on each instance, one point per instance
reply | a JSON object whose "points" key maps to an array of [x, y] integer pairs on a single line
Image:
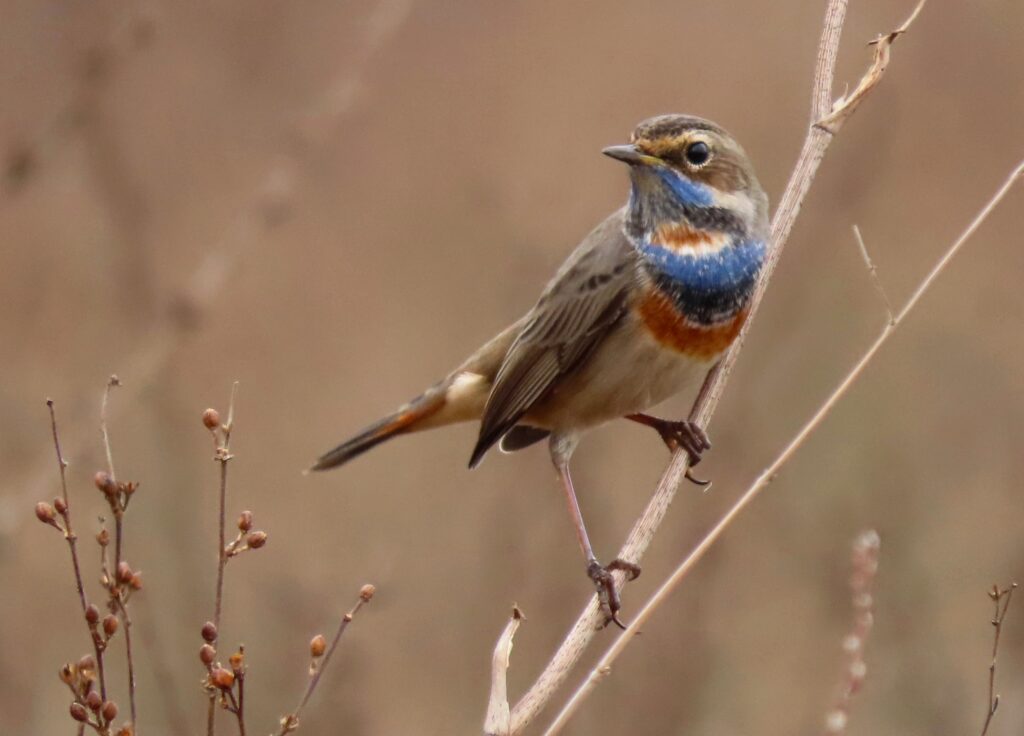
{"points": [[631, 155]]}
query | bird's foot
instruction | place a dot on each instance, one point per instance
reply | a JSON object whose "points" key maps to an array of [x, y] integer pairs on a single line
{"points": [[687, 435], [603, 580]]}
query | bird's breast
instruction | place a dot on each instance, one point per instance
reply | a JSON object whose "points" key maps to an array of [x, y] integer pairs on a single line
{"points": [[695, 288], [670, 327]]}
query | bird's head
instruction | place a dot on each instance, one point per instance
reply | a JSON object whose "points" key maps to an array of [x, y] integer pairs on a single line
{"points": [[687, 171]]}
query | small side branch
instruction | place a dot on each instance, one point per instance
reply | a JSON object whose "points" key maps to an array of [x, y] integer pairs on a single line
{"points": [[290, 722], [498, 720], [873, 272], [1001, 602]]}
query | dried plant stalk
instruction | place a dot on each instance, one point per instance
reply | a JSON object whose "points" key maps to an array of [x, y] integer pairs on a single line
{"points": [[826, 120]]}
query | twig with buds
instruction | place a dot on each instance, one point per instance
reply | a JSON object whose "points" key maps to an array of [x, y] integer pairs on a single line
{"points": [[125, 580], [320, 657], [86, 679], [1001, 601], [225, 685], [865, 566]]}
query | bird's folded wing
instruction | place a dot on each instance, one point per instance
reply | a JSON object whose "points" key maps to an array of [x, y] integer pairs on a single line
{"points": [[577, 309]]}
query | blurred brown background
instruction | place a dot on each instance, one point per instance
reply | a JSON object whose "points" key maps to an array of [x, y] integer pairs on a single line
{"points": [[334, 202]]}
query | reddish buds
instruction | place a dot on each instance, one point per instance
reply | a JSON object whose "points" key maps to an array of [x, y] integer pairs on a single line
{"points": [[245, 521], [109, 625], [317, 646], [60, 505], [78, 712], [237, 660], [124, 572], [211, 419], [136, 581], [87, 664], [93, 701], [46, 513], [222, 679], [207, 654], [105, 483], [209, 632], [92, 615], [109, 711], [103, 538], [255, 540]]}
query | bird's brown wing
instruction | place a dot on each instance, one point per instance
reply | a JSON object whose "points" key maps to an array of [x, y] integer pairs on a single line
{"points": [[584, 300]]}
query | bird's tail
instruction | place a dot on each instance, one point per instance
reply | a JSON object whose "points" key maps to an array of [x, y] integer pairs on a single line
{"points": [[407, 419]]}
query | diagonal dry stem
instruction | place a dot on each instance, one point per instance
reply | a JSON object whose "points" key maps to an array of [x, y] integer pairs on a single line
{"points": [[826, 119], [768, 475]]}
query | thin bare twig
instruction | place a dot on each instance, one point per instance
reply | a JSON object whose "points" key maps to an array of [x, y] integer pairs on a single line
{"points": [[118, 503], [290, 722], [223, 456], [112, 382], [498, 720], [222, 442], [865, 566], [69, 535], [873, 272], [816, 142], [1001, 601], [768, 475]]}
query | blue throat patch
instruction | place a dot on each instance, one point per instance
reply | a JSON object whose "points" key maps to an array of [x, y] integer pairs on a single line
{"points": [[707, 288], [687, 192]]}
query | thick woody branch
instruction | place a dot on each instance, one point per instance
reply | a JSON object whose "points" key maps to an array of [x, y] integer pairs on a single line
{"points": [[826, 119]]}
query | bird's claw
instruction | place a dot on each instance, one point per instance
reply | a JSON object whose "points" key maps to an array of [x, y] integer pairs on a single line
{"points": [[686, 435], [607, 595]]}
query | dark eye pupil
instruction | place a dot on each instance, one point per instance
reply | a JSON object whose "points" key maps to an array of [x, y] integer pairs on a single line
{"points": [[698, 153]]}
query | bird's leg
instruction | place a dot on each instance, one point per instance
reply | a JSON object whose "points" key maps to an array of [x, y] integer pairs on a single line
{"points": [[601, 575], [684, 434]]}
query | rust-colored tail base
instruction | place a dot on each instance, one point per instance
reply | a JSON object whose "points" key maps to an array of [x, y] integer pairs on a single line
{"points": [[402, 421]]}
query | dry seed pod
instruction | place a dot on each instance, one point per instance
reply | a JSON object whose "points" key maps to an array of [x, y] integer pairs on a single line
{"points": [[209, 632], [67, 674], [87, 663], [124, 572], [109, 625], [78, 712], [45, 513], [211, 419], [317, 646], [367, 591], [105, 483], [222, 679]]}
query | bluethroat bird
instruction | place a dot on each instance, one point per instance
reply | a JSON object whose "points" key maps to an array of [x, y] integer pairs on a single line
{"points": [[642, 310]]}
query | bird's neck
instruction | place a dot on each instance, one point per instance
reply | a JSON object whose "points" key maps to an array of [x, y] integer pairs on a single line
{"points": [[709, 274]]}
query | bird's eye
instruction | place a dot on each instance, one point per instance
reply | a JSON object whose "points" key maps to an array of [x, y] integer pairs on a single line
{"points": [[698, 154]]}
